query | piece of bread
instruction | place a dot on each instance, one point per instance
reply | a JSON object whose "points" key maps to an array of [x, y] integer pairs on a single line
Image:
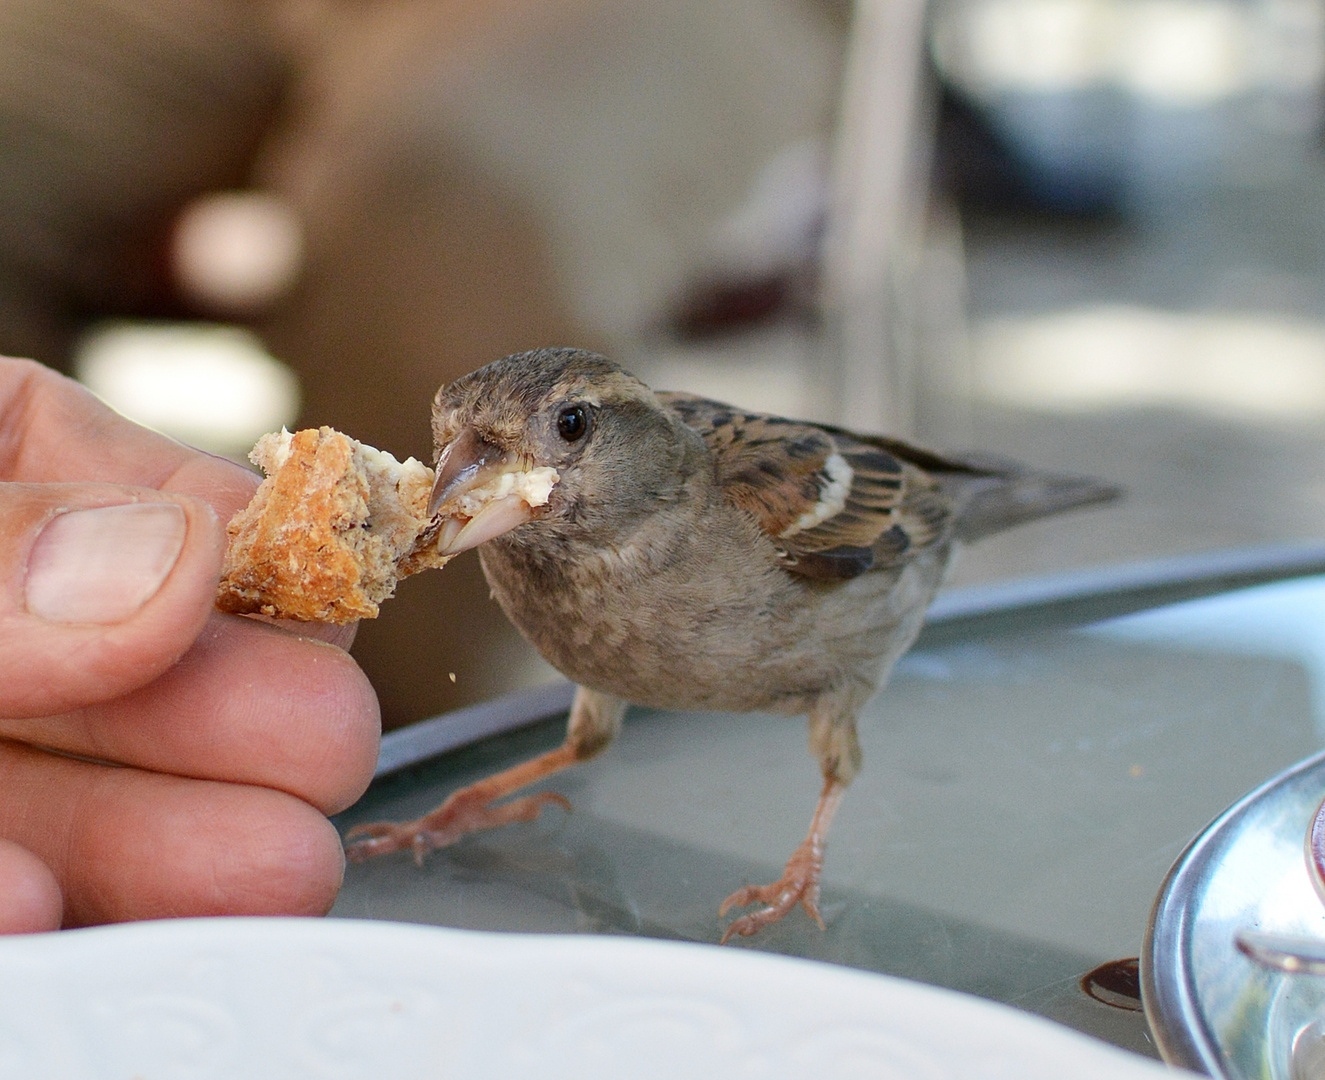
{"points": [[330, 531]]}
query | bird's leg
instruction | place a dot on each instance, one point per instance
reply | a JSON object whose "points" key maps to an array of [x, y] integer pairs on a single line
{"points": [[833, 741], [595, 719], [799, 883]]}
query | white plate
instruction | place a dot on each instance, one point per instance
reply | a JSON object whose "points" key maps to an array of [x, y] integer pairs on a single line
{"points": [[241, 998]]}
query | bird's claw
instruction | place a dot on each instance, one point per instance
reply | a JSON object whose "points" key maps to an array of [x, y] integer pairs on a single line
{"points": [[383, 837], [799, 884], [462, 813]]}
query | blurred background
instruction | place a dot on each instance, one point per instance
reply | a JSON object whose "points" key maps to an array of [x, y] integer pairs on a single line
{"points": [[1086, 233]]}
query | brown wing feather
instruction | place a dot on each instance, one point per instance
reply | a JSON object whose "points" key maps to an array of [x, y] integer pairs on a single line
{"points": [[790, 476]]}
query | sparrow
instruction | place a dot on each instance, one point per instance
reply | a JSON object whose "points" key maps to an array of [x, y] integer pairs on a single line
{"points": [[693, 555]]}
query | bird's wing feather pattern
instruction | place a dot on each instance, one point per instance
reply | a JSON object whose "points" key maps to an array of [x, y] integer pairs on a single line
{"points": [[835, 504]]}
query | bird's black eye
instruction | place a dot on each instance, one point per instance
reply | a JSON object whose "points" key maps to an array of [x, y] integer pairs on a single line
{"points": [[572, 422]]}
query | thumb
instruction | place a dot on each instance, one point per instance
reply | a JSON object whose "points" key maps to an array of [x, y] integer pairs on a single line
{"points": [[102, 587]]}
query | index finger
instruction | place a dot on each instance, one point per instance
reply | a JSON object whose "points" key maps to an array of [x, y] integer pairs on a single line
{"points": [[53, 430]]}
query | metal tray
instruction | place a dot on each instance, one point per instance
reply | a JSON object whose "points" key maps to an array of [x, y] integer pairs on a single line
{"points": [[1211, 1008]]}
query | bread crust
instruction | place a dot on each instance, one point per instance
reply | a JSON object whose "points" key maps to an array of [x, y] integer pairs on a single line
{"points": [[329, 532]]}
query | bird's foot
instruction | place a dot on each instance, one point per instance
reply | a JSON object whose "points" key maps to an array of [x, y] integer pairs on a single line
{"points": [[468, 810], [799, 884]]}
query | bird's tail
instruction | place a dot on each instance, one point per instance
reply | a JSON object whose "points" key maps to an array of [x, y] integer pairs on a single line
{"points": [[998, 494]]}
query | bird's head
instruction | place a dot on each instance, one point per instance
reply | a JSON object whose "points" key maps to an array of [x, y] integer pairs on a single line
{"points": [[614, 451]]}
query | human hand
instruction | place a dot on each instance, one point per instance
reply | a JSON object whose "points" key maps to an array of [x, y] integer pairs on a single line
{"points": [[157, 758]]}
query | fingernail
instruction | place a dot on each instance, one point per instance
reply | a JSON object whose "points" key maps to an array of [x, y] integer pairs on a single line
{"points": [[102, 565]]}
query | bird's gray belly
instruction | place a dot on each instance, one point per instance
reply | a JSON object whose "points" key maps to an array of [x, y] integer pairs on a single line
{"points": [[730, 640]]}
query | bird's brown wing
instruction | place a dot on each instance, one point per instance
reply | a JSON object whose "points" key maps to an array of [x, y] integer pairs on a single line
{"points": [[835, 504]]}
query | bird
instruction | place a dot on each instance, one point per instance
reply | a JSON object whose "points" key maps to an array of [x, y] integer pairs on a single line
{"points": [[694, 555]]}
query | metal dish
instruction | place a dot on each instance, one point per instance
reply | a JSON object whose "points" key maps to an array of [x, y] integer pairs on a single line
{"points": [[1212, 1008]]}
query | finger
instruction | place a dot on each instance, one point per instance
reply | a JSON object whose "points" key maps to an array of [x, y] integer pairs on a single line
{"points": [[30, 900], [53, 430], [101, 589], [340, 635], [127, 844], [248, 703]]}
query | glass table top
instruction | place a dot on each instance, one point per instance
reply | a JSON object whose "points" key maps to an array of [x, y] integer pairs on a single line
{"points": [[1032, 770]]}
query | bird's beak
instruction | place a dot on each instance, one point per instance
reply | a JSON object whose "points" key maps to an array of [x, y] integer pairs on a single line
{"points": [[468, 493], [464, 463]]}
